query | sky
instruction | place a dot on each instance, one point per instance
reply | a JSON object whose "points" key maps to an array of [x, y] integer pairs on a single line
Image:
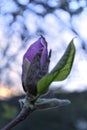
{"points": [[57, 27]]}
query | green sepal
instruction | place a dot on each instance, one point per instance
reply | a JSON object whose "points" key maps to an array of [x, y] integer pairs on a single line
{"points": [[60, 71]]}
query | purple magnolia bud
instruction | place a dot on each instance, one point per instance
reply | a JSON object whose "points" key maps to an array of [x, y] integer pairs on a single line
{"points": [[35, 65], [40, 44]]}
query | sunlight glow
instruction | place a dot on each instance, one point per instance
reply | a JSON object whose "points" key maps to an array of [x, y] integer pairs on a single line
{"points": [[6, 92]]}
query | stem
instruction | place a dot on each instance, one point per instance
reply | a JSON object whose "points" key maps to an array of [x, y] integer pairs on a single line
{"points": [[21, 116]]}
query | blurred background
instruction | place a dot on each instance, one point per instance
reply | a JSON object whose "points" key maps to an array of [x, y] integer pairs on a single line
{"points": [[21, 23]]}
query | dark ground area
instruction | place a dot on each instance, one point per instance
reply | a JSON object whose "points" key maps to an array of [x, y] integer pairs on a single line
{"points": [[70, 117]]}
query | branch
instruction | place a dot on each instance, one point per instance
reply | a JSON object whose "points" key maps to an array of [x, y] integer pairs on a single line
{"points": [[21, 116], [28, 108]]}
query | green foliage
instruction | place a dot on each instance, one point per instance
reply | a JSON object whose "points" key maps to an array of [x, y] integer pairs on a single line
{"points": [[60, 71], [9, 111]]}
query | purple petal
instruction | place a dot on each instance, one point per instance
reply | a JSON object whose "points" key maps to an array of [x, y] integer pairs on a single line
{"points": [[35, 48], [32, 50]]}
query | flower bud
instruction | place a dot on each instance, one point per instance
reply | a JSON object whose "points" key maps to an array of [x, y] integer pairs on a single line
{"points": [[35, 65]]}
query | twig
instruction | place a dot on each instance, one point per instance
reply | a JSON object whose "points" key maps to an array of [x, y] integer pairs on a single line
{"points": [[21, 116]]}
